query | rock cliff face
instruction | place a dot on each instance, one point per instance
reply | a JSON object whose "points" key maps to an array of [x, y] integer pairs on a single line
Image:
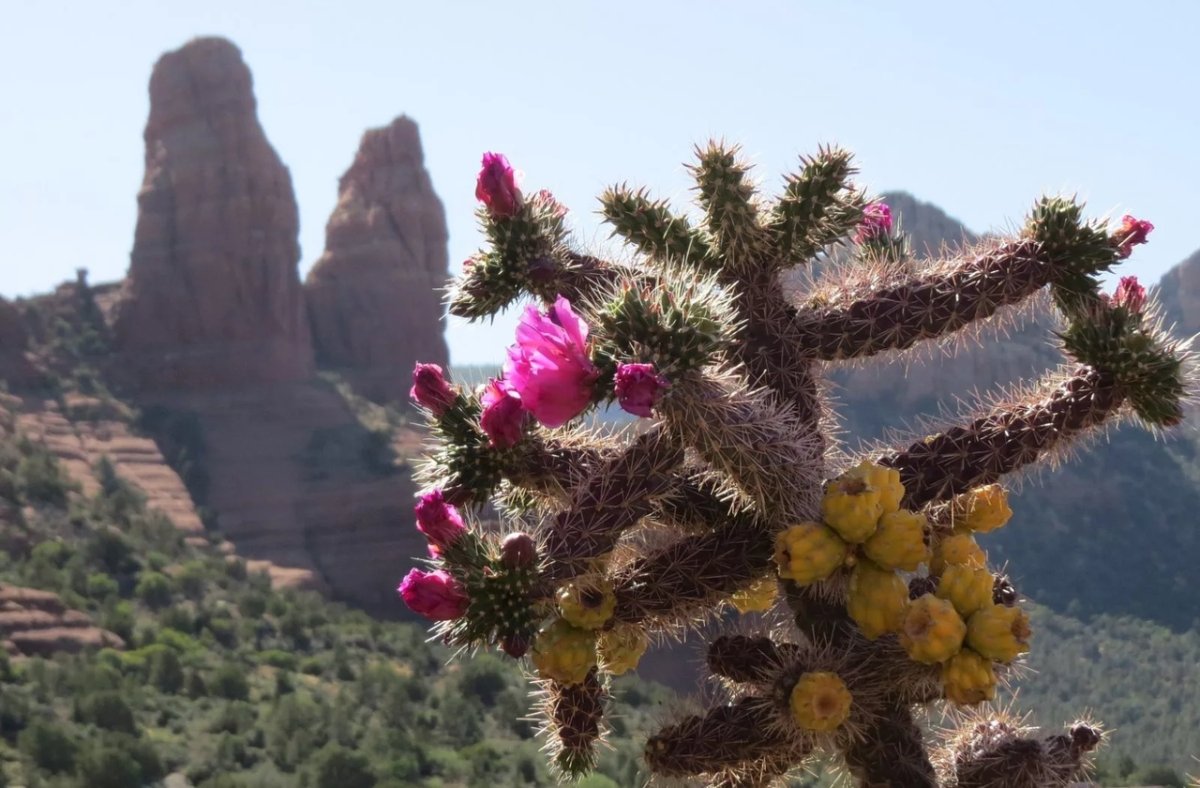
{"points": [[37, 624], [15, 366], [213, 296], [1179, 293], [373, 296]]}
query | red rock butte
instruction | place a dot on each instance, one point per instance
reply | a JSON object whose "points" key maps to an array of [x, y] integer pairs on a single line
{"points": [[371, 296], [213, 296]]}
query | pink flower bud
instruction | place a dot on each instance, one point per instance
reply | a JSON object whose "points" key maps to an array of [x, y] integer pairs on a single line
{"points": [[435, 595], [1130, 295], [439, 521], [518, 551], [503, 417], [430, 389], [549, 367], [551, 203], [496, 186], [638, 388], [1131, 233], [876, 220]]}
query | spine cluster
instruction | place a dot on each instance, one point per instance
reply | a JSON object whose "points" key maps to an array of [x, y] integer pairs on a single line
{"points": [[726, 496]]}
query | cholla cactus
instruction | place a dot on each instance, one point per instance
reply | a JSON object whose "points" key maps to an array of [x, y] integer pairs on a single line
{"points": [[730, 495]]}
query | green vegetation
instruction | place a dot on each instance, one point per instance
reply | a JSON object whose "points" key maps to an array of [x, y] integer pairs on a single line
{"points": [[234, 684]]}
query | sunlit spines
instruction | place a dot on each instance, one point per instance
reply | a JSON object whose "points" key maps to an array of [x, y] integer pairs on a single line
{"points": [[652, 228], [816, 207], [731, 212]]}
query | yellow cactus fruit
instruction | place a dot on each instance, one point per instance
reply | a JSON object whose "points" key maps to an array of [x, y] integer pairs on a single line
{"points": [[999, 632], [968, 589], [887, 481], [564, 653], [587, 603], [620, 649], [900, 542], [757, 597], [932, 630], [808, 552], [820, 702], [969, 678], [877, 599], [957, 549], [855, 501], [982, 509]]}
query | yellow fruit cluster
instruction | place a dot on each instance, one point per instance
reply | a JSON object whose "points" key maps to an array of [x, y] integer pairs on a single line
{"points": [[619, 650], [587, 603], [564, 653], [820, 702]]}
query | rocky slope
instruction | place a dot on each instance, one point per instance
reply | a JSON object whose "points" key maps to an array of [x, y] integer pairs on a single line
{"points": [[373, 295], [38, 623], [212, 295]]}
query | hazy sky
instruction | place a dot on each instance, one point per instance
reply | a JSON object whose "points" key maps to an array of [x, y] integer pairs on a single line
{"points": [[978, 107]]}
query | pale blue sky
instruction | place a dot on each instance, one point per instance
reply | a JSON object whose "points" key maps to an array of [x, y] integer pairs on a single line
{"points": [[978, 107]]}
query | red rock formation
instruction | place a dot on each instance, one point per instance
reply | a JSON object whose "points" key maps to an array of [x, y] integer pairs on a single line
{"points": [[15, 366], [373, 296], [213, 296], [37, 623]]}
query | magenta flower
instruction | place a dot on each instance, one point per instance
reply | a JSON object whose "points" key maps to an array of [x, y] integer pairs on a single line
{"points": [[876, 220], [431, 390], [547, 198], [639, 387], [549, 367], [1131, 233], [439, 521], [496, 186], [435, 595], [1130, 294], [503, 416]]}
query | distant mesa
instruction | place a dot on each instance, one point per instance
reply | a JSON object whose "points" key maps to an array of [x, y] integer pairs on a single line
{"points": [[373, 296], [213, 296]]}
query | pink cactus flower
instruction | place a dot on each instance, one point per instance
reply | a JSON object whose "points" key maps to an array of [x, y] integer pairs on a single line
{"points": [[435, 595], [503, 416], [1130, 294], [638, 388], [1132, 232], [496, 186], [876, 220], [549, 367], [430, 389], [546, 198], [439, 521]]}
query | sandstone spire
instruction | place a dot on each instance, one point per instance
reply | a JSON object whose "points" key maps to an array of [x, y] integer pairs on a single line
{"points": [[374, 295], [213, 295]]}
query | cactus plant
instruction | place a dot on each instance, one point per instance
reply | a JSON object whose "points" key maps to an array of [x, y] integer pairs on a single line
{"points": [[730, 481]]}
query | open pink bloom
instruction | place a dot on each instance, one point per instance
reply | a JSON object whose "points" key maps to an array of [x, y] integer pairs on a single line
{"points": [[549, 367], [496, 186], [638, 388], [1130, 294], [439, 521], [431, 390], [876, 220], [435, 595], [1131, 233], [503, 416]]}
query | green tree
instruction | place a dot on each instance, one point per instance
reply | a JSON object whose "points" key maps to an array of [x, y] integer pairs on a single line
{"points": [[108, 710], [230, 682], [49, 746], [337, 767], [166, 671], [154, 589]]}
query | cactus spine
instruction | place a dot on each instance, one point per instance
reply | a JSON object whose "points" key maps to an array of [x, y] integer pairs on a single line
{"points": [[734, 490]]}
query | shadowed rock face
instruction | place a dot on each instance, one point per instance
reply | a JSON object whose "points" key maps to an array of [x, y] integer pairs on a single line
{"points": [[15, 367], [213, 296], [1179, 293], [373, 296]]}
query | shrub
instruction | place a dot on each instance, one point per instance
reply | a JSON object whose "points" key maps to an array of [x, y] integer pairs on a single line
{"points": [[49, 746], [230, 682], [108, 710], [336, 767], [154, 590]]}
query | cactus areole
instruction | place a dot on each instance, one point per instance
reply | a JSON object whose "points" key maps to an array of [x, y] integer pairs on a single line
{"points": [[728, 496]]}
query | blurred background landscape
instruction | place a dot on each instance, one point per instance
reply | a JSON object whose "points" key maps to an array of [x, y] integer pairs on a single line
{"points": [[215, 291]]}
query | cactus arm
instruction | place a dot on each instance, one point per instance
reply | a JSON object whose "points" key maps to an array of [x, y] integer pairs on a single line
{"points": [[692, 574], [574, 713], [614, 498], [1005, 440], [723, 738], [925, 307], [891, 752]]}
